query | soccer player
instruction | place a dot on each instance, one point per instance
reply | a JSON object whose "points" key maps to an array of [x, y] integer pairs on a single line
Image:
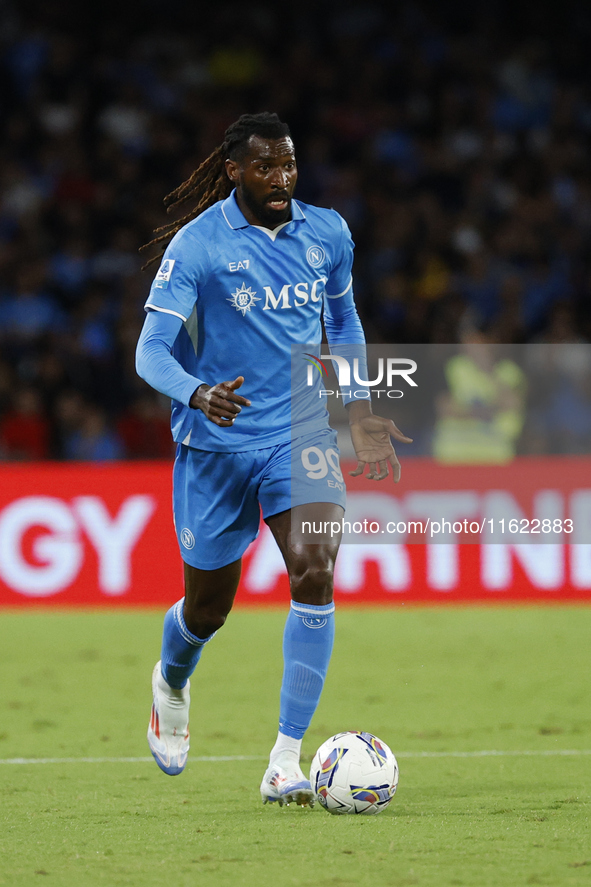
{"points": [[246, 274]]}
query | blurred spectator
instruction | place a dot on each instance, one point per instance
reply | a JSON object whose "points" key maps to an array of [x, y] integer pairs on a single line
{"points": [[564, 422], [559, 415], [24, 430], [433, 277], [507, 325], [6, 385], [126, 121], [69, 268], [481, 415], [480, 286], [68, 414], [22, 194], [145, 429], [30, 311], [562, 327], [237, 63], [543, 286], [391, 302], [93, 440], [119, 259]]}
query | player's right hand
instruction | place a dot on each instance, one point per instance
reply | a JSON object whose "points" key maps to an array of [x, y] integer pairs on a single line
{"points": [[219, 403], [371, 436]]}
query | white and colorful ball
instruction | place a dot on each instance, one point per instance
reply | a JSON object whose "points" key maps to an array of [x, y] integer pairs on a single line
{"points": [[354, 772]]}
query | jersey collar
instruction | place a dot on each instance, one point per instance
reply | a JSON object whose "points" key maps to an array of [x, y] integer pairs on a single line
{"points": [[235, 219]]}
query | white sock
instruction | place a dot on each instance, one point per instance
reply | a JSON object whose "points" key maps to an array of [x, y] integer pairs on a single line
{"points": [[286, 747]]}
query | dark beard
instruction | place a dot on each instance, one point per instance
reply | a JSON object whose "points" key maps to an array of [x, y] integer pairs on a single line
{"points": [[265, 216]]}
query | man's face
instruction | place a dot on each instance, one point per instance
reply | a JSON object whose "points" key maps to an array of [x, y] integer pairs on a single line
{"points": [[265, 180]]}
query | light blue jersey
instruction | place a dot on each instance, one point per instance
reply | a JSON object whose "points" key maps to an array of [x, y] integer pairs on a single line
{"points": [[245, 295]]}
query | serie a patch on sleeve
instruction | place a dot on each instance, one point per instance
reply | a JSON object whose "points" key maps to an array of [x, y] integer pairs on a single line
{"points": [[162, 279]]}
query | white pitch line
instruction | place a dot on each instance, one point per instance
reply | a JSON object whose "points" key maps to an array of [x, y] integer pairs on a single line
{"points": [[492, 753], [125, 760]]}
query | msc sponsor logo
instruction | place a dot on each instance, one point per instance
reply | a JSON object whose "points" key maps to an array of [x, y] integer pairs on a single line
{"points": [[244, 299], [300, 293], [291, 295]]}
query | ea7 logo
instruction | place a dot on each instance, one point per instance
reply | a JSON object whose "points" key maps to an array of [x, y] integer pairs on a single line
{"points": [[243, 265]]}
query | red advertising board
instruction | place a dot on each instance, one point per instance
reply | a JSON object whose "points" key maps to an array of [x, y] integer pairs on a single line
{"points": [[102, 535]]}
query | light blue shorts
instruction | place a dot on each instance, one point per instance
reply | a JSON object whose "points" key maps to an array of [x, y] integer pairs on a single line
{"points": [[218, 497]]}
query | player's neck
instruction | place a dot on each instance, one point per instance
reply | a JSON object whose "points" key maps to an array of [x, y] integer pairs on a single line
{"points": [[271, 230], [252, 219]]}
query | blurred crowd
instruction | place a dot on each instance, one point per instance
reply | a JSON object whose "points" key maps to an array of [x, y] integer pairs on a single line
{"points": [[455, 142]]}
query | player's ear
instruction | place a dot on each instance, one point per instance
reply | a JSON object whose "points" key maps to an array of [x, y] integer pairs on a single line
{"points": [[232, 171]]}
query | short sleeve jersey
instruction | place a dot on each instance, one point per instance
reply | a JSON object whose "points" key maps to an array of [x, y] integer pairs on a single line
{"points": [[246, 295]]}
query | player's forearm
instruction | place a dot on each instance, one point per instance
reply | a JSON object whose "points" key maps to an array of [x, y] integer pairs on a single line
{"points": [[346, 339], [154, 362], [358, 409], [341, 321]]}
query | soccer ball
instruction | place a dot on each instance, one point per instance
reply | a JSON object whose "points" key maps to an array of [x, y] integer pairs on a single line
{"points": [[354, 772]]}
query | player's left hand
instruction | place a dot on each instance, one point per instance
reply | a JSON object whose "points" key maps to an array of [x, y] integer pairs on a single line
{"points": [[371, 436]]}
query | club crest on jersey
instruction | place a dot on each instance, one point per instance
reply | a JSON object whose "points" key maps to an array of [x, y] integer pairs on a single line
{"points": [[243, 299], [315, 256], [164, 273]]}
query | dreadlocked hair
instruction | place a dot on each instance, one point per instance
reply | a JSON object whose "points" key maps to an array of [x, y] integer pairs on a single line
{"points": [[209, 182]]}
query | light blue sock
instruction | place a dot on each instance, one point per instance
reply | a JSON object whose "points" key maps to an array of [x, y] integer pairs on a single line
{"points": [[181, 650], [307, 645]]}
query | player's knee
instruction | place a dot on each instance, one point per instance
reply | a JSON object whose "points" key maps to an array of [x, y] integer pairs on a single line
{"points": [[203, 621], [311, 578]]}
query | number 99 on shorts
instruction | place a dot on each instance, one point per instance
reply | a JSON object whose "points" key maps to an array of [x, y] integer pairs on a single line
{"points": [[315, 468], [317, 463]]}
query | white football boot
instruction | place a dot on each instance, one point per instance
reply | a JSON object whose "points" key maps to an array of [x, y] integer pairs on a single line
{"points": [[284, 782], [168, 730]]}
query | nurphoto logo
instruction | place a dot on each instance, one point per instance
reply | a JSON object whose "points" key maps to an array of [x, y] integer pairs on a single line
{"points": [[388, 370]]}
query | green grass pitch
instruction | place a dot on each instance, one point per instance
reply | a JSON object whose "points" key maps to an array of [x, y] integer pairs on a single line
{"points": [[435, 684]]}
